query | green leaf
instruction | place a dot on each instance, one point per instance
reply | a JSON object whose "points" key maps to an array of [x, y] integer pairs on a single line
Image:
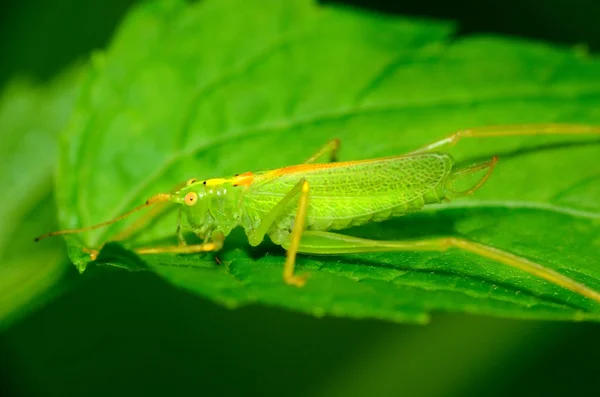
{"points": [[31, 117], [221, 87]]}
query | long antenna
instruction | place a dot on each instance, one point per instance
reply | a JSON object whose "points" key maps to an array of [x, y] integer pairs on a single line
{"points": [[160, 197]]}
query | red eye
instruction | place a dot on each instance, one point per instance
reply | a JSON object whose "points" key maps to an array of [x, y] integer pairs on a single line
{"points": [[191, 198]]}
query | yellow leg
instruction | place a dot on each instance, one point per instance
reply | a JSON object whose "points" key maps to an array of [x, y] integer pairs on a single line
{"points": [[332, 147], [315, 242], [134, 228], [93, 252], [290, 259], [511, 130], [257, 236], [215, 245]]}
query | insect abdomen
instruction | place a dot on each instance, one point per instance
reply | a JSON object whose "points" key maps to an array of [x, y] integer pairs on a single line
{"points": [[352, 194], [434, 196], [280, 233]]}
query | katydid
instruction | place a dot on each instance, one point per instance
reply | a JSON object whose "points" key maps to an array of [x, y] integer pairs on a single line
{"points": [[299, 206]]}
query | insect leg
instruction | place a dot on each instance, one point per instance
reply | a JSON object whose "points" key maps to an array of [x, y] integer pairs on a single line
{"points": [[92, 252], [134, 228], [332, 147], [292, 249], [258, 234], [511, 130], [179, 230], [316, 242], [215, 245]]}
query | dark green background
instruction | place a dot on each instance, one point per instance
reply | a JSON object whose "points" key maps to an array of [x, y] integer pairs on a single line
{"points": [[116, 333]]}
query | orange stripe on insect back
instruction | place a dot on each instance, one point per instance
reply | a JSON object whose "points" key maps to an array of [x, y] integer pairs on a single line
{"points": [[244, 179], [309, 167]]}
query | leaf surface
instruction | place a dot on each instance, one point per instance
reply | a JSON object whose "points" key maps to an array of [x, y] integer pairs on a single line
{"points": [[220, 87]]}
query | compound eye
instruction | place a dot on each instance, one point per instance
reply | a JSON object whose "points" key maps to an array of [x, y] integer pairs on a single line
{"points": [[191, 198], [188, 183]]}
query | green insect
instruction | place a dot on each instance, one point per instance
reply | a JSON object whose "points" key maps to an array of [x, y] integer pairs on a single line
{"points": [[299, 206]]}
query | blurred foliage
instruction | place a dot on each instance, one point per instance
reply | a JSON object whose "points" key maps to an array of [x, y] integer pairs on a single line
{"points": [[31, 118], [122, 333], [38, 37]]}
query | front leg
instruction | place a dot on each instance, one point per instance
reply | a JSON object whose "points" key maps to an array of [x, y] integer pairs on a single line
{"points": [[292, 249], [216, 243], [179, 231], [267, 222]]}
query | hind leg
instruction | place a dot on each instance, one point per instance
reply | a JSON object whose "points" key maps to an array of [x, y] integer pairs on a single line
{"points": [[316, 242], [511, 130]]}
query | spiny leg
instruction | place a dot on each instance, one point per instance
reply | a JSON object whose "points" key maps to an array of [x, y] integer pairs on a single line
{"points": [[511, 130], [316, 242], [259, 233], [332, 147]]}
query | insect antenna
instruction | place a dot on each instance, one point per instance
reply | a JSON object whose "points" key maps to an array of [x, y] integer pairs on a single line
{"points": [[160, 197]]}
